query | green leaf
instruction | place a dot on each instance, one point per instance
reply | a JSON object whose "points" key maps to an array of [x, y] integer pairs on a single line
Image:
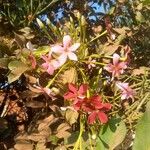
{"points": [[146, 2], [41, 51], [72, 138], [17, 68], [111, 135], [142, 140]]}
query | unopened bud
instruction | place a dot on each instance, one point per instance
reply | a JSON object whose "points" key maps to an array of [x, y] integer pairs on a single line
{"points": [[71, 19], [78, 15], [40, 23], [55, 90], [113, 36], [83, 21], [48, 21], [94, 136]]}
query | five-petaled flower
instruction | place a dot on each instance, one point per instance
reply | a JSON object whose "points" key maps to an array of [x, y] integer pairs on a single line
{"points": [[76, 93], [91, 63], [96, 109], [127, 91], [66, 50], [117, 67]]}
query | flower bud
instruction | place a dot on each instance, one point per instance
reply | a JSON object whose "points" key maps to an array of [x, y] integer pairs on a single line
{"points": [[83, 21], [78, 15], [40, 23], [55, 90], [94, 136], [48, 21]]}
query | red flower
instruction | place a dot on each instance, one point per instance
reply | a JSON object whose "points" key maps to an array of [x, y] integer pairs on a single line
{"points": [[93, 106], [96, 109], [75, 93]]}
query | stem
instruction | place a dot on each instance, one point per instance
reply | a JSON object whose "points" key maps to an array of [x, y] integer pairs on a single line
{"points": [[82, 74], [60, 70], [98, 63], [31, 6], [98, 36], [141, 103], [79, 140], [90, 138], [46, 7], [46, 32]]}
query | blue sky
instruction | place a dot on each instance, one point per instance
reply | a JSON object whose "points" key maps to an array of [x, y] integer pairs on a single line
{"points": [[96, 7]]}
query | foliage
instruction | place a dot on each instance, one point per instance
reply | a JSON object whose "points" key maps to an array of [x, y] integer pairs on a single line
{"points": [[141, 135], [73, 82]]}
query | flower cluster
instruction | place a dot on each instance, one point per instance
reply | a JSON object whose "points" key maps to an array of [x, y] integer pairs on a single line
{"points": [[92, 106], [64, 51], [117, 68]]}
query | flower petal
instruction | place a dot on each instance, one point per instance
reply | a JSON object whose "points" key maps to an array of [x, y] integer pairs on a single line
{"points": [[83, 89], [72, 56], [72, 88], [116, 58], [92, 117], [102, 117], [74, 47], [122, 86], [62, 58], [67, 41], [45, 65], [45, 58], [122, 65], [109, 68], [56, 64], [96, 102], [78, 104], [69, 95], [107, 106], [57, 49], [47, 90], [124, 96], [50, 69]]}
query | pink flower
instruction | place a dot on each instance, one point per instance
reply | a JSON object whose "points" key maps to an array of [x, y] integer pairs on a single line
{"points": [[117, 67], [66, 50], [127, 91], [91, 63], [50, 64]]}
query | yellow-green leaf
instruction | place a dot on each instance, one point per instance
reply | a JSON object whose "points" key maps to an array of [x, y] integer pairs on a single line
{"points": [[17, 68]]}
